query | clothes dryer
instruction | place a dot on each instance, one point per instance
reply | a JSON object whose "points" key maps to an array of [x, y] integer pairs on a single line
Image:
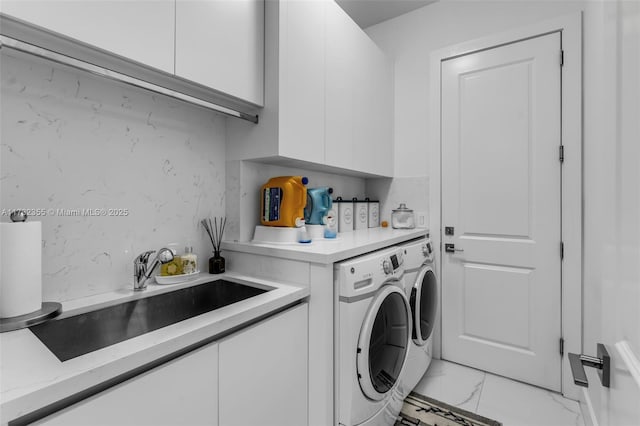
{"points": [[373, 330], [422, 290]]}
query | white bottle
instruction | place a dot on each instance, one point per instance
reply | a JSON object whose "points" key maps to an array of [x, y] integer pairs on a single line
{"points": [[331, 226], [303, 235], [189, 261]]}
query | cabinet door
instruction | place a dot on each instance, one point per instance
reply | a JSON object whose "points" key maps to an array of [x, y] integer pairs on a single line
{"points": [[379, 155], [182, 392], [138, 30], [220, 44], [358, 102], [373, 111], [340, 77], [263, 372], [301, 80]]}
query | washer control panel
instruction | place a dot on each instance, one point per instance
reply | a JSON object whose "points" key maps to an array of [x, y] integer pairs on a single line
{"points": [[393, 262], [364, 274]]}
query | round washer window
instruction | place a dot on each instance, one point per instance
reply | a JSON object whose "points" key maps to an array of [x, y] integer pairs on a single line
{"points": [[428, 300], [388, 342]]}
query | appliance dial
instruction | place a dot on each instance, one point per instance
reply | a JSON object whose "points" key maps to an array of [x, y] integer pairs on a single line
{"points": [[425, 249], [386, 266]]}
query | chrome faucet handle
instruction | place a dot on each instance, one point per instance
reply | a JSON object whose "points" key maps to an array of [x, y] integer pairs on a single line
{"points": [[140, 270], [144, 257]]}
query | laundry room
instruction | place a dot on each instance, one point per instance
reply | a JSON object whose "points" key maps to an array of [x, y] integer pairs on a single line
{"points": [[320, 212]]}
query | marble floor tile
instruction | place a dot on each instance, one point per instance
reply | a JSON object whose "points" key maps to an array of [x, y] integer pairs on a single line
{"points": [[518, 404], [453, 384]]}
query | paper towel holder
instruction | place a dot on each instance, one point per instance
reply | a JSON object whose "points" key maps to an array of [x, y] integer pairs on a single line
{"points": [[49, 310]]}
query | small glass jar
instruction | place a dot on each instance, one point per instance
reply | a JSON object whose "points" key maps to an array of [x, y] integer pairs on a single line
{"points": [[402, 218], [189, 261]]}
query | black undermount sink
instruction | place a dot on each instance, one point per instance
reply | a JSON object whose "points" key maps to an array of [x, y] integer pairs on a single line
{"points": [[71, 337]]}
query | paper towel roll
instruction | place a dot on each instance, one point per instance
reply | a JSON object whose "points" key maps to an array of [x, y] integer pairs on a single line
{"points": [[20, 268]]}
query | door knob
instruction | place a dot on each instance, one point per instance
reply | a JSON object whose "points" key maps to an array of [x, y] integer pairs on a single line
{"points": [[451, 248], [602, 362]]}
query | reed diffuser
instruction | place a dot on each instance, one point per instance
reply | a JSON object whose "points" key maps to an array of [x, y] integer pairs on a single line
{"points": [[215, 232]]}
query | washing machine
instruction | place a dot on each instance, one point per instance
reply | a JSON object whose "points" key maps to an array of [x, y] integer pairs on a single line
{"points": [[373, 335], [422, 291]]}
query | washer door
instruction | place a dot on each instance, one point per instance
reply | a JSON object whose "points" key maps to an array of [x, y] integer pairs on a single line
{"points": [[384, 341], [424, 302]]}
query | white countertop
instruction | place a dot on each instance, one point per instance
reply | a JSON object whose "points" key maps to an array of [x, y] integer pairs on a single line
{"points": [[31, 377], [326, 251]]}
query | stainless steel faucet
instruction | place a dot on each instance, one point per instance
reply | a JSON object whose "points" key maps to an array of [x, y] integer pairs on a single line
{"points": [[141, 272]]}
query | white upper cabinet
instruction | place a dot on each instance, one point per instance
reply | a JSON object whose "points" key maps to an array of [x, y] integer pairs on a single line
{"points": [[373, 110], [340, 102], [138, 30], [301, 80], [220, 44], [359, 105], [328, 102]]}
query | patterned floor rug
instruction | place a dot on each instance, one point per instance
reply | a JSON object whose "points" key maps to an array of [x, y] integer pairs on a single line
{"points": [[420, 410]]}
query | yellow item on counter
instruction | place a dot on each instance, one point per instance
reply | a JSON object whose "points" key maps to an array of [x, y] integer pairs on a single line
{"points": [[282, 200], [175, 267]]}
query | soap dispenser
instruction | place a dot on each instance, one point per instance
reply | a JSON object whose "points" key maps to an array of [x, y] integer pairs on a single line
{"points": [[189, 261]]}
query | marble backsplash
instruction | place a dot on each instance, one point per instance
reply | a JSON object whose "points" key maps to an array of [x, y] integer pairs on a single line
{"points": [[413, 191], [73, 141]]}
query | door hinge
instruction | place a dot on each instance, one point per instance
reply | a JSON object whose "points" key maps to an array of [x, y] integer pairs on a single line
{"points": [[561, 346], [562, 58], [561, 250], [561, 153]]}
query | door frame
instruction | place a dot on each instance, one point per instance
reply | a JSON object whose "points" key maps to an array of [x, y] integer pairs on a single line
{"points": [[570, 27]]}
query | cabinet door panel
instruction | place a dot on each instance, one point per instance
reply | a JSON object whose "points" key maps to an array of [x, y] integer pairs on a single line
{"points": [[381, 122], [182, 392], [373, 113], [362, 104], [340, 77], [220, 44], [301, 80], [263, 372], [138, 30]]}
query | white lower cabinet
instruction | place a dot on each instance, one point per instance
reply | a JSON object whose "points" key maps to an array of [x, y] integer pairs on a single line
{"points": [[263, 372], [256, 376], [181, 392]]}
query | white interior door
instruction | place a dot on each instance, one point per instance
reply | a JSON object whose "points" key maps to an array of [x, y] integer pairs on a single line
{"points": [[501, 195]]}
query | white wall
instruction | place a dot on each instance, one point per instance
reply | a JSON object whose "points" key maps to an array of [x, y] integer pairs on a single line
{"points": [[409, 40], [412, 191], [611, 160], [72, 141]]}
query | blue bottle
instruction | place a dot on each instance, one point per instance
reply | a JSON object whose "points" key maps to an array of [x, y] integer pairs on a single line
{"points": [[318, 205]]}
